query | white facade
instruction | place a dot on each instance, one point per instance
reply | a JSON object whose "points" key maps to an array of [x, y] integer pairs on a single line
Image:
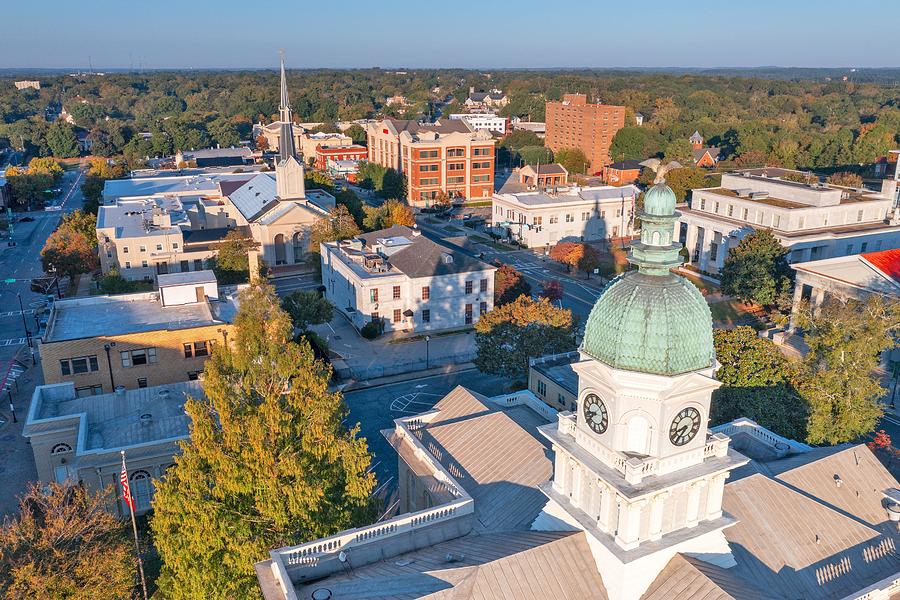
{"points": [[543, 218], [482, 121], [405, 303], [813, 221]]}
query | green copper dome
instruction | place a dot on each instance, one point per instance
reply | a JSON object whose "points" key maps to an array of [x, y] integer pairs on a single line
{"points": [[659, 200], [652, 320]]}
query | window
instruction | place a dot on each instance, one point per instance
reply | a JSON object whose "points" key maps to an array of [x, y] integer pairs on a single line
{"points": [[585, 216], [859, 216], [427, 168], [185, 266], [482, 308], [201, 349], [468, 287], [142, 382], [481, 165], [541, 387], [561, 400], [141, 489], [429, 181], [174, 245], [456, 152], [554, 220], [703, 204], [373, 295], [481, 152], [141, 356], [480, 178], [375, 316], [716, 207], [426, 292], [452, 180], [396, 292], [143, 248], [426, 316], [124, 249], [60, 449], [849, 249], [144, 263], [745, 213], [79, 365], [428, 153], [159, 246], [456, 166], [863, 248], [801, 223], [198, 264], [127, 264], [397, 315], [483, 286], [730, 210], [776, 221], [569, 218], [88, 390], [468, 314], [536, 220]]}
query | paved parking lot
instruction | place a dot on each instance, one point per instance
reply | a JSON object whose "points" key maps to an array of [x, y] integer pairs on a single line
{"points": [[375, 408]]}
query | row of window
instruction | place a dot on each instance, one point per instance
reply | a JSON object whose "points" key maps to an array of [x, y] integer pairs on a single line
{"points": [[143, 248], [129, 358], [457, 179], [426, 290], [776, 218], [539, 220], [426, 314], [79, 365]]}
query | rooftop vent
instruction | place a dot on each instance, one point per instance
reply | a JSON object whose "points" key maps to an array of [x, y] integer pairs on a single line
{"points": [[837, 480], [759, 195], [743, 192], [146, 418], [446, 258], [321, 594]]}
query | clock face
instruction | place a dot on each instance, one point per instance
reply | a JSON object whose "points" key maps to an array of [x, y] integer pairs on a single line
{"points": [[685, 426], [595, 414]]}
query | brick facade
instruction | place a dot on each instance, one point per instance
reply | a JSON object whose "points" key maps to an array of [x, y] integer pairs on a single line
{"points": [[574, 123]]}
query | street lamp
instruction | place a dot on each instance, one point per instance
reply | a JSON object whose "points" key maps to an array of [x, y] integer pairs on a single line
{"points": [[24, 322], [112, 382], [427, 357]]}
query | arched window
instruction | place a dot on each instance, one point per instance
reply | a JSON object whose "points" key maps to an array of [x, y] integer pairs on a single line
{"points": [[298, 242], [141, 489], [280, 251], [60, 449], [638, 435]]}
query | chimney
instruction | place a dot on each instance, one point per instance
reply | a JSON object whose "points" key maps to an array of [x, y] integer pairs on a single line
{"points": [[471, 89]]}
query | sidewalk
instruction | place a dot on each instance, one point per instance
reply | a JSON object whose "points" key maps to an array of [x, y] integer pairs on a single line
{"points": [[354, 384], [16, 459]]}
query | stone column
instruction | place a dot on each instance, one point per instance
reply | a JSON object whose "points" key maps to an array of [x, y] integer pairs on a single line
{"points": [[818, 298], [628, 536], [714, 496], [606, 500], [798, 297], [559, 477], [693, 503], [657, 506], [690, 240]]}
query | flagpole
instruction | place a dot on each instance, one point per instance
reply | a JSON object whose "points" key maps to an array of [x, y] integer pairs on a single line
{"points": [[129, 500]]}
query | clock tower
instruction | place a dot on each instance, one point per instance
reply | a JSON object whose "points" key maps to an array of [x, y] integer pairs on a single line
{"points": [[635, 466]]}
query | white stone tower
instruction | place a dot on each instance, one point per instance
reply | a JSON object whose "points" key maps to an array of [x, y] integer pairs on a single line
{"points": [[289, 172]]}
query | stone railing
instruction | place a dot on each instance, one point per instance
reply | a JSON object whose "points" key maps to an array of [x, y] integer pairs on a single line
{"points": [[526, 398], [634, 469], [760, 433]]}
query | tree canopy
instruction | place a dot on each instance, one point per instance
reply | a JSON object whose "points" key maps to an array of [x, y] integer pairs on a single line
{"points": [[307, 307], [507, 336], [509, 284], [838, 378], [64, 543], [573, 159], [269, 462], [392, 212], [232, 262], [757, 270], [69, 252]]}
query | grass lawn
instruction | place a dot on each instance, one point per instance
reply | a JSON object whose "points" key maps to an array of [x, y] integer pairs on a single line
{"points": [[501, 247], [703, 284], [732, 313]]}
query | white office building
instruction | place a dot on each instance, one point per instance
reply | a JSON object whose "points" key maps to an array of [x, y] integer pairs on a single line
{"points": [[815, 221], [482, 121], [410, 282], [568, 214]]}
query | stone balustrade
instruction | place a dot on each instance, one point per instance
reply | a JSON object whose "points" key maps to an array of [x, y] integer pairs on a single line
{"points": [[526, 398], [758, 432]]}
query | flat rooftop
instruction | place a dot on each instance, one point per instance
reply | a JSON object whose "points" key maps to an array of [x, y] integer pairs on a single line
{"points": [[570, 195], [168, 184], [168, 279], [133, 218], [81, 318], [116, 420]]}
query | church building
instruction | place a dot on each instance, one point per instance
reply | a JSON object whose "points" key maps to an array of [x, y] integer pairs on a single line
{"points": [[629, 496]]}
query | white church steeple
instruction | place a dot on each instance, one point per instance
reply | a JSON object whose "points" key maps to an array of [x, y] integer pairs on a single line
{"points": [[289, 172]]}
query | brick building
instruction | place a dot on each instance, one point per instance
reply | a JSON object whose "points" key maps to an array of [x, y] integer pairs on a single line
{"points": [[622, 172], [137, 340], [447, 156], [327, 154], [574, 123]]}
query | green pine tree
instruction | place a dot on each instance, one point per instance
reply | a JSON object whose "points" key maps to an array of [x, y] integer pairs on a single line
{"points": [[757, 270], [268, 462]]}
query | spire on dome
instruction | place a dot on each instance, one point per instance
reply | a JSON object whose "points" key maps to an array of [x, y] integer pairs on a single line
{"points": [[286, 148]]}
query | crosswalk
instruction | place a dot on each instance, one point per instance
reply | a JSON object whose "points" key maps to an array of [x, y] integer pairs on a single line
{"points": [[16, 313], [13, 342]]}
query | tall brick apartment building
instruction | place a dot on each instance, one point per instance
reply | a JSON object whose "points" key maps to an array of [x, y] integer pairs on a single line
{"points": [[573, 123], [446, 156]]}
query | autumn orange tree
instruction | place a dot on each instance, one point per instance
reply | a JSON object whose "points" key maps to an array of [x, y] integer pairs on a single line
{"points": [[568, 253], [506, 337], [509, 284], [69, 253], [392, 212], [846, 179], [64, 543]]}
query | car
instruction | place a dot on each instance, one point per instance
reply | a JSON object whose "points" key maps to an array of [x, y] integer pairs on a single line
{"points": [[26, 219]]}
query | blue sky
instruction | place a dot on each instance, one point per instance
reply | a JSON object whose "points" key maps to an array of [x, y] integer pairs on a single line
{"points": [[395, 33]]}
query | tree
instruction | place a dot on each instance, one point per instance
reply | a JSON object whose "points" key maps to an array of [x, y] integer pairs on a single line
{"points": [[69, 253], [224, 132], [307, 307], [268, 463], [354, 205], [27, 188], [757, 383], [371, 175], [534, 155], [392, 212], [845, 179], [83, 223], [630, 143], [590, 259], [521, 138], [838, 377], [232, 262], [509, 284], [356, 133], [573, 159], [506, 337], [552, 290], [64, 543], [61, 139], [679, 150], [261, 142], [393, 185], [756, 270], [339, 225], [45, 166], [318, 180], [567, 253]]}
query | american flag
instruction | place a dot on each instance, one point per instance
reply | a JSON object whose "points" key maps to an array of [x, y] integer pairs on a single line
{"points": [[126, 490]]}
